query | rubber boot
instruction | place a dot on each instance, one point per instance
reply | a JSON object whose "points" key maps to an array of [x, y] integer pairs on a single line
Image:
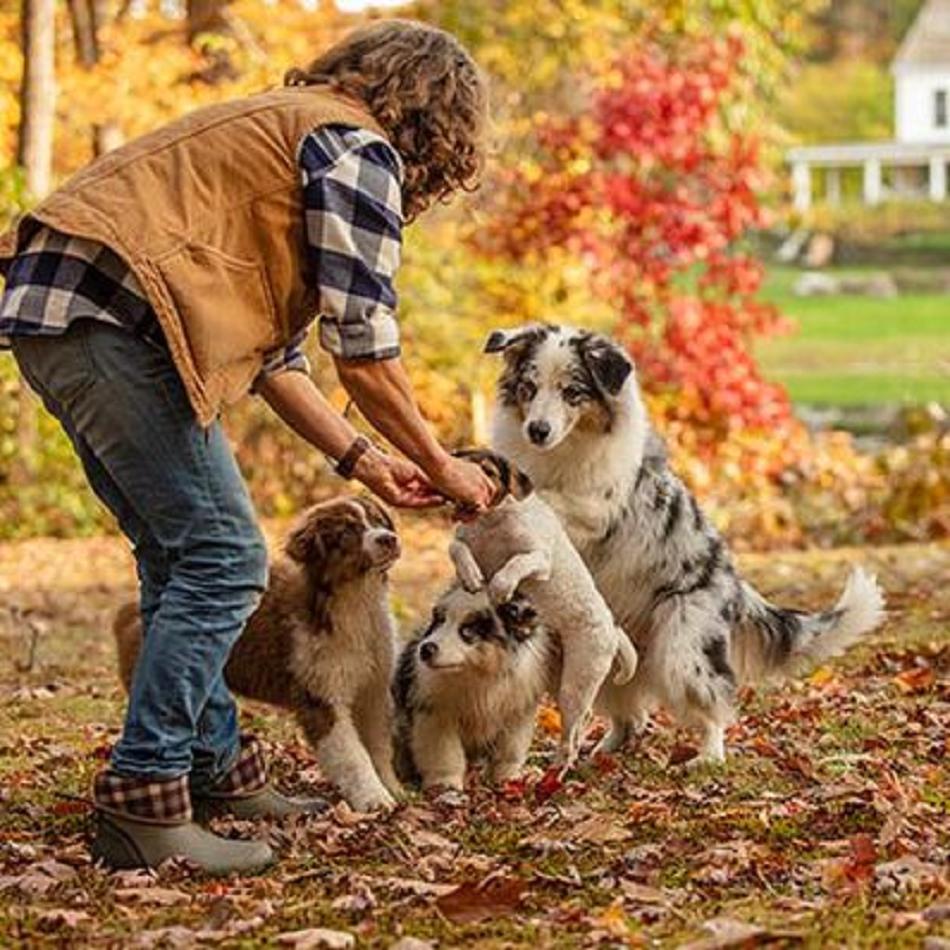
{"points": [[267, 802], [122, 843]]}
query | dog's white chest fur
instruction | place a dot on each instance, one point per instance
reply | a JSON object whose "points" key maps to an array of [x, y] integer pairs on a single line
{"points": [[359, 650]]}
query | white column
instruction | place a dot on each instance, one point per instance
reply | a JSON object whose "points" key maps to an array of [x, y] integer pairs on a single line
{"points": [[872, 181], [833, 185], [801, 185], [938, 178]]}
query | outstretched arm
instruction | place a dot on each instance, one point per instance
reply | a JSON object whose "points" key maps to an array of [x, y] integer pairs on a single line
{"points": [[298, 402], [383, 392]]}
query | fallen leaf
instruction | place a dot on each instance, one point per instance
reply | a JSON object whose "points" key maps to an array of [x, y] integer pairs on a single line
{"points": [[682, 753], [316, 937], [613, 921], [157, 896], [549, 720], [549, 784], [62, 917], [471, 902], [176, 937], [412, 943], [641, 893], [725, 932], [599, 829], [918, 679], [821, 676], [909, 873]]}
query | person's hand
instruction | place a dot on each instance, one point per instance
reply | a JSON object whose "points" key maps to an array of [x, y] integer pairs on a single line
{"points": [[465, 484], [396, 481]]}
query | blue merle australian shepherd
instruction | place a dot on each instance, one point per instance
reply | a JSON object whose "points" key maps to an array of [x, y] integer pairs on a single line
{"points": [[569, 414]]}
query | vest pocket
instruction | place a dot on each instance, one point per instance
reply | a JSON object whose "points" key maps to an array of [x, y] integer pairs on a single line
{"points": [[227, 313]]}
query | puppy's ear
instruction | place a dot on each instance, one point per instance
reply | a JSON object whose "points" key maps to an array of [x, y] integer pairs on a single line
{"points": [[305, 542], [501, 341], [521, 486], [519, 618], [608, 363]]}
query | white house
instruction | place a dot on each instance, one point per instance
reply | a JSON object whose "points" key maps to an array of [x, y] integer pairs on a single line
{"points": [[915, 163]]}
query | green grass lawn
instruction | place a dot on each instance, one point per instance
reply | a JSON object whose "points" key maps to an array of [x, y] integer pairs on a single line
{"points": [[851, 350]]}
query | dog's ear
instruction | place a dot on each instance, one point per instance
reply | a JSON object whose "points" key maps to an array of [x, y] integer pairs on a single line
{"points": [[501, 341], [521, 485], [305, 542], [607, 362], [518, 617]]}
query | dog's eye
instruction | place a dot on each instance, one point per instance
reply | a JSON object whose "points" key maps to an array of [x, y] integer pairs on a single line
{"points": [[467, 633], [478, 628], [574, 394], [527, 390], [435, 621]]}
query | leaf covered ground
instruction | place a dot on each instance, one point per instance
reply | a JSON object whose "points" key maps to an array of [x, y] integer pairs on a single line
{"points": [[828, 826]]}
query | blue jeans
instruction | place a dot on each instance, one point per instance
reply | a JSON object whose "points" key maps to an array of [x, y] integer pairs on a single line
{"points": [[179, 497]]}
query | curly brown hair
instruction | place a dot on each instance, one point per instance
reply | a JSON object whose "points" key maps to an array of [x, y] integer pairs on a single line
{"points": [[426, 92]]}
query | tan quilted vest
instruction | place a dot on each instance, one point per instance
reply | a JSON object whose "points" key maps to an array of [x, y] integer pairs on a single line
{"points": [[207, 212]]}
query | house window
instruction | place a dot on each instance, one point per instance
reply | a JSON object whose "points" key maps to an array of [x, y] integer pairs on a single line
{"points": [[940, 109]]}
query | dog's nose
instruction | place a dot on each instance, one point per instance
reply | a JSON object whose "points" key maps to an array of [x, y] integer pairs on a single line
{"points": [[428, 651], [388, 540], [538, 432]]}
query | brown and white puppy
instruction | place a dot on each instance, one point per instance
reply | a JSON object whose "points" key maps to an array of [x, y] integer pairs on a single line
{"points": [[322, 644], [468, 686], [519, 544]]}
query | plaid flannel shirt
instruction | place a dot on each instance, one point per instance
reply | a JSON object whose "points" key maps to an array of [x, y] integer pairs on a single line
{"points": [[352, 200]]}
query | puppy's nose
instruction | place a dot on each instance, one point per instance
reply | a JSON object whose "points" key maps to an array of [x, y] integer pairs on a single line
{"points": [[539, 431], [388, 540], [428, 651]]}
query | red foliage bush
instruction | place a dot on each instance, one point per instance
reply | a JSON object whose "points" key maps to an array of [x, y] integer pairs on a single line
{"points": [[653, 186]]}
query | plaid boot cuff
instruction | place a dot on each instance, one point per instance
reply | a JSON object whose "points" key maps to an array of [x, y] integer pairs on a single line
{"points": [[246, 776], [157, 801]]}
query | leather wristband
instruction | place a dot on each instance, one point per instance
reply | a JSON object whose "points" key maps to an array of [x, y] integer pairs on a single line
{"points": [[347, 463]]}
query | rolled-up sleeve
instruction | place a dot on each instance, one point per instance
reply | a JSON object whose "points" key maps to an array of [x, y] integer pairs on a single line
{"points": [[353, 208], [289, 357]]}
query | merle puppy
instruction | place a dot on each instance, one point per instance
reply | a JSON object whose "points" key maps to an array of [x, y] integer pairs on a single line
{"points": [[569, 414], [468, 686]]}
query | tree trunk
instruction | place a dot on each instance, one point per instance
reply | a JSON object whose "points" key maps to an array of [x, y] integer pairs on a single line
{"points": [[84, 17], [38, 95], [35, 154]]}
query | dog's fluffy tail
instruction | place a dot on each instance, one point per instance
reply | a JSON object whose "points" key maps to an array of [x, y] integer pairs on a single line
{"points": [[625, 659], [777, 641], [127, 629]]}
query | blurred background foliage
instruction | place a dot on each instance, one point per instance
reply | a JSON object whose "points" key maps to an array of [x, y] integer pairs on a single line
{"points": [[557, 233]]}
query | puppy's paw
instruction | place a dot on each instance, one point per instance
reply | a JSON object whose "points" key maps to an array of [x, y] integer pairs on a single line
{"points": [[470, 577], [500, 590], [378, 800], [448, 797]]}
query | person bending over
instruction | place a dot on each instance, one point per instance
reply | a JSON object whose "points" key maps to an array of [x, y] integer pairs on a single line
{"points": [[177, 274]]}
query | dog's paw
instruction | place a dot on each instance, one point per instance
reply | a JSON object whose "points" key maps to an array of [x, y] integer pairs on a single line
{"points": [[448, 797], [380, 800], [472, 583], [500, 590]]}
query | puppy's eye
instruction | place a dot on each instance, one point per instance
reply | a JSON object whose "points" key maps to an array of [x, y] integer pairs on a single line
{"points": [[478, 628], [435, 621], [527, 390], [574, 394]]}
